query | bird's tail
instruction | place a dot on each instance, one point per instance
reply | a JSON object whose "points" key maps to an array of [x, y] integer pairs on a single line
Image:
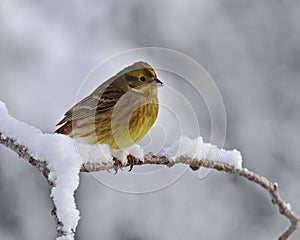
{"points": [[65, 129]]}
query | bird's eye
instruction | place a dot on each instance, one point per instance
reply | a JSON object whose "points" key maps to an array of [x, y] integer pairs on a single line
{"points": [[142, 78]]}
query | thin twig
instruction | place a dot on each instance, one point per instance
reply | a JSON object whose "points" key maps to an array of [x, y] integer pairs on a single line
{"points": [[22, 151], [152, 159]]}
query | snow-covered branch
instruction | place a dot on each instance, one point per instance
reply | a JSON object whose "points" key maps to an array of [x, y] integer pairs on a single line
{"points": [[47, 152]]}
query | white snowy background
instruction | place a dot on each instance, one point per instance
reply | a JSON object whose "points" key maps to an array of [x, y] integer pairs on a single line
{"points": [[252, 51]]}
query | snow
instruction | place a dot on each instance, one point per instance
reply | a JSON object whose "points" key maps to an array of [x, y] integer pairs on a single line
{"points": [[93, 153], [103, 152], [134, 150], [197, 149], [63, 161], [64, 157], [289, 206]]}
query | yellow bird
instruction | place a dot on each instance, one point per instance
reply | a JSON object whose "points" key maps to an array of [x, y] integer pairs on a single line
{"points": [[119, 112]]}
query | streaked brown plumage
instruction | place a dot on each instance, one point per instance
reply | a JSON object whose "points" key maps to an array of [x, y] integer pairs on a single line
{"points": [[119, 112]]}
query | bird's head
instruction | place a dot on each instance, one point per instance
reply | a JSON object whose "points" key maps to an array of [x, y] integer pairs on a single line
{"points": [[141, 74]]}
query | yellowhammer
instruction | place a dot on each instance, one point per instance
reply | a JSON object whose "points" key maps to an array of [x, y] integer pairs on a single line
{"points": [[119, 112]]}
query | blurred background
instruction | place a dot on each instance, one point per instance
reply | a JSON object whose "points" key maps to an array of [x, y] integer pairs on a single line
{"points": [[250, 48]]}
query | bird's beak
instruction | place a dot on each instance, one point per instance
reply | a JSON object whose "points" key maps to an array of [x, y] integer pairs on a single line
{"points": [[157, 82]]}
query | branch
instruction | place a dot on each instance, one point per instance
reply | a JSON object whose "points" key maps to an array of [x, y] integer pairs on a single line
{"points": [[22, 152], [150, 159]]}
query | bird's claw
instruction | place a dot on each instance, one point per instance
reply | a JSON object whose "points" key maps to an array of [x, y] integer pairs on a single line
{"points": [[131, 161], [117, 164]]}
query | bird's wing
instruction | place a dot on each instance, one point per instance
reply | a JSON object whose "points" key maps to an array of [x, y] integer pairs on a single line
{"points": [[101, 100]]}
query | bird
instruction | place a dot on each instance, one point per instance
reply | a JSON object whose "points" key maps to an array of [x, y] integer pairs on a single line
{"points": [[119, 112]]}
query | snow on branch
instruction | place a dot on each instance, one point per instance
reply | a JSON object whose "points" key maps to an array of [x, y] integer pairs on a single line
{"points": [[57, 157]]}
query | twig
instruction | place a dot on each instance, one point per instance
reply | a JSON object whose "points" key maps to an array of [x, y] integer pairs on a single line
{"points": [[152, 159], [22, 151]]}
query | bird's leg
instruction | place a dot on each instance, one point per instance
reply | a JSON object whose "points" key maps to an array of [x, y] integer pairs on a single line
{"points": [[117, 164], [131, 161]]}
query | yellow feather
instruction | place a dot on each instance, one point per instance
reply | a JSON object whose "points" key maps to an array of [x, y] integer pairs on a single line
{"points": [[119, 112]]}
